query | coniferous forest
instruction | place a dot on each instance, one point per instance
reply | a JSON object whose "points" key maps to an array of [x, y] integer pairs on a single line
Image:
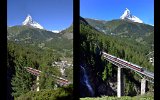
{"points": [[104, 50], [102, 75], [27, 49], [38, 53]]}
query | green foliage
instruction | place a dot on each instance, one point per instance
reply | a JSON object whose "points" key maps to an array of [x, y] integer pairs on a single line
{"points": [[68, 30], [92, 42], [148, 96], [20, 56], [109, 66], [104, 74], [36, 48], [25, 33], [46, 79], [138, 32], [62, 93], [22, 80], [69, 73], [41, 38]]}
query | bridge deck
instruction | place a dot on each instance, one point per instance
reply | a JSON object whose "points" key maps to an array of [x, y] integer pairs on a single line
{"points": [[125, 64], [59, 80]]}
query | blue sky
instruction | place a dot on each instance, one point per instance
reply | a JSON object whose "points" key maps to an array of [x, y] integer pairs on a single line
{"points": [[51, 14], [113, 9]]}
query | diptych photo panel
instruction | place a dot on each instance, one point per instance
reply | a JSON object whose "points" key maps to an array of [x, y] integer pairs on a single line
{"points": [[40, 49], [80, 49], [116, 49]]}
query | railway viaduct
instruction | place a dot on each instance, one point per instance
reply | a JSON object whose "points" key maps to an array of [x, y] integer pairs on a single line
{"points": [[120, 63], [59, 80]]}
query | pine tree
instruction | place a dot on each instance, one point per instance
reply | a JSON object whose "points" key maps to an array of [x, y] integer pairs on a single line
{"points": [[104, 74], [21, 81]]}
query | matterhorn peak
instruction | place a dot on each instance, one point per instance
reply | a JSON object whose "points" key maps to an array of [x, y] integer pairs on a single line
{"points": [[29, 22], [127, 9], [127, 15], [29, 17]]}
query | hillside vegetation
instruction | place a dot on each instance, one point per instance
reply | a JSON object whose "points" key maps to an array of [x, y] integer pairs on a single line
{"points": [[62, 93], [101, 73], [139, 32], [39, 49], [148, 96]]}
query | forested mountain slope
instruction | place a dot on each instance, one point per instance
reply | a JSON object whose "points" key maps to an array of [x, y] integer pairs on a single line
{"points": [[39, 49], [102, 74], [142, 33]]}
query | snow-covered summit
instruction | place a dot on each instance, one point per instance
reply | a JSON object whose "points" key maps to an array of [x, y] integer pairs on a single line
{"points": [[127, 15], [56, 31], [29, 22]]}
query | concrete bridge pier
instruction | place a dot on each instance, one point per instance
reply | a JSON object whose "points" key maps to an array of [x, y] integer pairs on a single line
{"points": [[143, 86], [120, 82], [37, 83]]}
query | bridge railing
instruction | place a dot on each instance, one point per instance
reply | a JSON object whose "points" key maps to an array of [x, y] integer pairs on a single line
{"points": [[37, 73], [120, 62]]}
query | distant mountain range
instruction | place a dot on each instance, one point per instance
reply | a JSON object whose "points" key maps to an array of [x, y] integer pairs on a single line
{"points": [[30, 32], [42, 38], [31, 23], [68, 32], [27, 33], [140, 32], [125, 39], [124, 30]]}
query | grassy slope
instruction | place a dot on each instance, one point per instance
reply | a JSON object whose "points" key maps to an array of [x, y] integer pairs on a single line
{"points": [[62, 93], [147, 96]]}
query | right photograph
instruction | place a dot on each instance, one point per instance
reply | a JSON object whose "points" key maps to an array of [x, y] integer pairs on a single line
{"points": [[116, 49]]}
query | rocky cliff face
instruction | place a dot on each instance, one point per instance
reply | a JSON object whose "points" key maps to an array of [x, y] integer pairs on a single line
{"points": [[93, 85], [107, 87]]}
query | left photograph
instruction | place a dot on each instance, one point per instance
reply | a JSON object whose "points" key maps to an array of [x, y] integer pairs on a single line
{"points": [[40, 49]]}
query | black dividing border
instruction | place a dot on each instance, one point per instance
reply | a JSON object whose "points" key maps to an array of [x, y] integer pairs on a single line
{"points": [[76, 46], [156, 50], [3, 49]]}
